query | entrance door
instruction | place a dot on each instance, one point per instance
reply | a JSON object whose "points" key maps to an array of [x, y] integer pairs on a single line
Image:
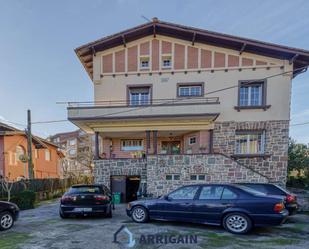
{"points": [[118, 184], [171, 147], [127, 186]]}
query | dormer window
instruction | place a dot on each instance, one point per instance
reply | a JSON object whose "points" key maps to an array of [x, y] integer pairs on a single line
{"points": [[166, 61], [144, 63]]}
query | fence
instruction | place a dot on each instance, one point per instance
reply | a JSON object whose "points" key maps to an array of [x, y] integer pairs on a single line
{"points": [[49, 186]]}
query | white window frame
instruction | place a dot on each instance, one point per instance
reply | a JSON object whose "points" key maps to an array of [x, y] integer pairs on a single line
{"points": [[140, 99], [190, 143], [144, 59], [248, 136], [190, 87], [47, 155], [198, 177], [131, 147], [249, 94], [166, 57]]}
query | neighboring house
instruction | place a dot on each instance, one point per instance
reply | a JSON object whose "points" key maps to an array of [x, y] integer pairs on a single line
{"points": [[13, 155], [176, 105], [78, 148]]}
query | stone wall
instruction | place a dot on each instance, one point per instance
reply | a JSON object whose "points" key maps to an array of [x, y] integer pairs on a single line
{"points": [[217, 168], [274, 164], [106, 168]]}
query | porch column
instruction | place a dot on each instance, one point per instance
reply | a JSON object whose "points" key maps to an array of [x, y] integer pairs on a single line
{"points": [[211, 141], [147, 142], [155, 142], [96, 146]]}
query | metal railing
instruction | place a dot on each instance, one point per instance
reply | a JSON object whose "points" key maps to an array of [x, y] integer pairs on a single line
{"points": [[152, 102]]}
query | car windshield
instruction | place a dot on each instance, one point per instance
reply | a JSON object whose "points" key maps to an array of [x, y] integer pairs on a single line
{"points": [[250, 190], [85, 190]]}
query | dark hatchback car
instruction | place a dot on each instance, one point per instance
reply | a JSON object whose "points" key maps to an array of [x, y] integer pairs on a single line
{"points": [[9, 213], [275, 190], [86, 200], [237, 208]]}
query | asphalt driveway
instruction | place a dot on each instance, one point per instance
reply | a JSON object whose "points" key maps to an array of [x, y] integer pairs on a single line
{"points": [[42, 228]]}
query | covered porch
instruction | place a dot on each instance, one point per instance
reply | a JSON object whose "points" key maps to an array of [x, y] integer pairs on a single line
{"points": [[152, 142]]}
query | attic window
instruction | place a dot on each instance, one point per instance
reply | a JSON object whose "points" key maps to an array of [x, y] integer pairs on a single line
{"points": [[144, 63], [166, 61]]}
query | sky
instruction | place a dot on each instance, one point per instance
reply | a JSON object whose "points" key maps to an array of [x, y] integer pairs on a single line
{"points": [[38, 66]]}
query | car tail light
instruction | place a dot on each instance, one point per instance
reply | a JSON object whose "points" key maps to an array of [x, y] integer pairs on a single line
{"points": [[101, 198], [290, 198], [278, 207], [68, 198]]}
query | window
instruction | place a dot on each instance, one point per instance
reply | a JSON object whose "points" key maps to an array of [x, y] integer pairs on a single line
{"points": [[72, 152], [72, 142], [129, 145], [198, 177], [189, 90], [192, 140], [47, 155], [20, 153], [173, 177], [166, 61], [211, 193], [36, 154], [228, 194], [184, 193], [251, 94], [139, 96], [250, 142], [144, 62]]}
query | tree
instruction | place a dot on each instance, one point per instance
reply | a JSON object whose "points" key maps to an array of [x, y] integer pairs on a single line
{"points": [[298, 158], [7, 186]]}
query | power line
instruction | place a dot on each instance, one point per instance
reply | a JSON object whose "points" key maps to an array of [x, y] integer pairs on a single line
{"points": [[305, 123], [50, 121], [208, 93], [178, 100]]}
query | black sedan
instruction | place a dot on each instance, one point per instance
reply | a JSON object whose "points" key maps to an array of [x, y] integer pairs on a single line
{"points": [[86, 200], [8, 215], [273, 189], [236, 207]]}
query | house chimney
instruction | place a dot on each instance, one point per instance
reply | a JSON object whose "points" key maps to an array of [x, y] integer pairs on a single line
{"points": [[155, 19]]}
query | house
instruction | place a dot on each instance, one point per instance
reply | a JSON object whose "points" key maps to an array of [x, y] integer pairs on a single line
{"points": [[175, 105], [78, 149], [13, 155]]}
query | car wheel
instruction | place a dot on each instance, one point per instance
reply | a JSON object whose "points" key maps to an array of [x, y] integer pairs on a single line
{"points": [[62, 215], [237, 223], [110, 213], [139, 214], [6, 221]]}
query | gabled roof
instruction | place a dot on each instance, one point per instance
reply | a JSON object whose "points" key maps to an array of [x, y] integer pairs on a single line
{"points": [[299, 57], [7, 130]]}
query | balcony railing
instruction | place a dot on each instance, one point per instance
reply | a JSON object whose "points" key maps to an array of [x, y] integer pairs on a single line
{"points": [[153, 102], [155, 108]]}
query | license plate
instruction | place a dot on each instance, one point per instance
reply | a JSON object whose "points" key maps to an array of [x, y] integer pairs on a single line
{"points": [[83, 209]]}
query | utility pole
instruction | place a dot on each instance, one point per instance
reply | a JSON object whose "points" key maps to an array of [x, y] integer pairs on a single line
{"points": [[29, 145]]}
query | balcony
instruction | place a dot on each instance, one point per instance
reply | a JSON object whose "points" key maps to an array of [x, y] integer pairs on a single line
{"points": [[158, 108]]}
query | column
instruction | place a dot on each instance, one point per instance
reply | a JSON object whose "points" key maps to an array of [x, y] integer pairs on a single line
{"points": [[96, 146], [147, 142], [155, 142]]}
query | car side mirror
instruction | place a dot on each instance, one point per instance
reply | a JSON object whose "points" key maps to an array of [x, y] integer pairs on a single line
{"points": [[167, 198]]}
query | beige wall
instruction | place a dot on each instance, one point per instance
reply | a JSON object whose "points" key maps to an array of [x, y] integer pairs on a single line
{"points": [[111, 87]]}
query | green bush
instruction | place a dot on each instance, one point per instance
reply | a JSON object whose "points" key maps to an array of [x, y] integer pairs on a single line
{"points": [[24, 200], [298, 182]]}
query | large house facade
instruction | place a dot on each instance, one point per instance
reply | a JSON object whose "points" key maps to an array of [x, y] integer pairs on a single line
{"points": [[176, 105]]}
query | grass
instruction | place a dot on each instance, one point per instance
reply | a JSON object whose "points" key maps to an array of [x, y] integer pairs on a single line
{"points": [[12, 241]]}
